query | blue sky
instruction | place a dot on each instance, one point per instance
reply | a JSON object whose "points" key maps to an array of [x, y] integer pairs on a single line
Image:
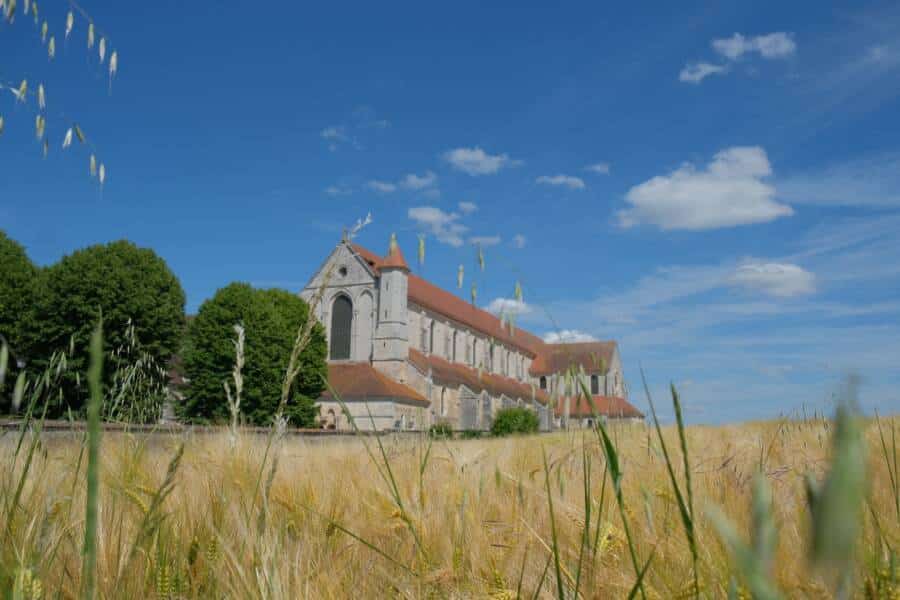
{"points": [[716, 187]]}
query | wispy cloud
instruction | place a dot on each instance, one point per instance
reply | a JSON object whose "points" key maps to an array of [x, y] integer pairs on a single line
{"points": [[445, 227], [568, 336], [475, 161], [365, 117], [338, 190], [335, 136], [519, 240], [770, 46], [775, 45], [731, 190], [697, 72], [870, 181], [600, 168], [508, 306], [467, 208], [775, 279], [758, 336], [348, 132], [573, 183], [382, 187], [419, 182], [485, 240]]}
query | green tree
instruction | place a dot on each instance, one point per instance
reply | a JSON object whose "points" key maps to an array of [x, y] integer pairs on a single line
{"points": [[515, 420], [128, 286], [271, 319], [17, 277]]}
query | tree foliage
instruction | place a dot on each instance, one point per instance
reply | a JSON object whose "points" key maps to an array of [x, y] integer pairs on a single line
{"points": [[271, 319], [17, 278], [137, 295], [515, 420]]}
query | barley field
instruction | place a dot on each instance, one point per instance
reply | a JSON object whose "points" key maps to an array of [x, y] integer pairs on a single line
{"points": [[257, 516]]}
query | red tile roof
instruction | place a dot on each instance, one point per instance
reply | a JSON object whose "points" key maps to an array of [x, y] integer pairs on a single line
{"points": [[430, 296], [607, 406], [394, 259], [444, 372], [555, 358], [361, 381], [367, 255]]}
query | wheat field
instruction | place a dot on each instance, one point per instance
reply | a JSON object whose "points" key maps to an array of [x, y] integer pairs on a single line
{"points": [[255, 516]]}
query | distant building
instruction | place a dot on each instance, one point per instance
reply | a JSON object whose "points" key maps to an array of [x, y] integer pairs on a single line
{"points": [[405, 354]]}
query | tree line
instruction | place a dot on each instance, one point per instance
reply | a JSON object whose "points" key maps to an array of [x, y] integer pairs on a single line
{"points": [[47, 315]]}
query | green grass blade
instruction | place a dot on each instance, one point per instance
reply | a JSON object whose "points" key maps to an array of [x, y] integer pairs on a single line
{"points": [[615, 473], [640, 578], [559, 581], [688, 526], [95, 372], [537, 591], [687, 518]]}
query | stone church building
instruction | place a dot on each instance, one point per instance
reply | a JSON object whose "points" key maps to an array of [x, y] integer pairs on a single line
{"points": [[404, 354]]}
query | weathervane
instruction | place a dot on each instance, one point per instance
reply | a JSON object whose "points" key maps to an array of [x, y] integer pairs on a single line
{"points": [[360, 223]]}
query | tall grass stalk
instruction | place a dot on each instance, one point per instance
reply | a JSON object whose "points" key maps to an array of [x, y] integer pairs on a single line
{"points": [[686, 510], [615, 474], [559, 581], [92, 498], [890, 461]]}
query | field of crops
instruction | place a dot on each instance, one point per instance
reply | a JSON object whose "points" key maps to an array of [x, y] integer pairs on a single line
{"points": [[606, 513]]}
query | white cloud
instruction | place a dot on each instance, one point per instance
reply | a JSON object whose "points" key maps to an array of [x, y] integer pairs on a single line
{"points": [[508, 306], [467, 208], [573, 183], [730, 191], [365, 116], [415, 182], [382, 187], [475, 161], [564, 336], [444, 226], [335, 136], [775, 279], [600, 168], [485, 240], [870, 181], [697, 72], [337, 190], [773, 45], [334, 133], [519, 240], [432, 194]]}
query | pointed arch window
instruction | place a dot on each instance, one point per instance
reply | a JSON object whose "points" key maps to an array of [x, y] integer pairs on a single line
{"points": [[341, 322]]}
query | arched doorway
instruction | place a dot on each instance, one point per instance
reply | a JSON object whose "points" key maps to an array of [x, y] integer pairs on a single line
{"points": [[341, 321]]}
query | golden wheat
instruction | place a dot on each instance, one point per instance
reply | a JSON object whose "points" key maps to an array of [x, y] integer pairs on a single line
{"points": [[474, 520]]}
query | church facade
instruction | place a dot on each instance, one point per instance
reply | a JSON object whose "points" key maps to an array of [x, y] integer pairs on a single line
{"points": [[404, 354]]}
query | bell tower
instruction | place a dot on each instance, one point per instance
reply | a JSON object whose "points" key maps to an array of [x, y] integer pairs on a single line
{"points": [[391, 339]]}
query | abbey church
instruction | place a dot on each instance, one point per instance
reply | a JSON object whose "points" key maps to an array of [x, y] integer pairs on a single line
{"points": [[404, 354]]}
